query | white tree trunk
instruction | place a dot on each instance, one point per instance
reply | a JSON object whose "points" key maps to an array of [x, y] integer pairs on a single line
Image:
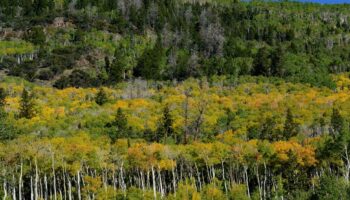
{"points": [[54, 177], [79, 193], [154, 184], [5, 190], [36, 181], [20, 183]]}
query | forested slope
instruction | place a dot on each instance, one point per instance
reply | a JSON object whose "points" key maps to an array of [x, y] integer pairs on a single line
{"points": [[174, 99], [258, 138], [92, 43]]}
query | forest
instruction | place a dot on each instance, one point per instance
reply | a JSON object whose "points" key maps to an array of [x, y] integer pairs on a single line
{"points": [[90, 43], [174, 100]]}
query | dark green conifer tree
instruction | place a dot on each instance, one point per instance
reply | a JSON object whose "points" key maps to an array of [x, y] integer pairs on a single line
{"points": [[36, 35], [116, 71], [277, 61], [290, 126], [101, 97], [119, 127], [165, 127], [107, 65], [268, 129], [262, 62], [152, 62], [2, 97], [39, 6], [27, 105], [337, 122]]}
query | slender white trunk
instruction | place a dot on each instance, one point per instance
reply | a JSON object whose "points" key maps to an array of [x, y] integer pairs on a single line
{"points": [[142, 181], [64, 184], [36, 181], [160, 184], [154, 184], [247, 180], [114, 181], [213, 171], [14, 193], [148, 180], [54, 177], [20, 183], [105, 179], [174, 180], [31, 188], [41, 188], [223, 176], [265, 180], [78, 177], [198, 176], [69, 189], [46, 187], [259, 182], [123, 185], [5, 190], [347, 165]]}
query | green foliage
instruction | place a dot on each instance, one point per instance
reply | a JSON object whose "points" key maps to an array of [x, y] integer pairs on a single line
{"points": [[7, 131], [290, 126], [213, 191], [116, 71], [262, 62], [165, 128], [36, 35], [2, 97], [27, 109], [331, 187], [152, 62], [225, 122], [39, 6], [187, 190], [236, 128], [119, 127], [272, 39], [101, 97], [238, 192], [337, 122], [15, 47]]}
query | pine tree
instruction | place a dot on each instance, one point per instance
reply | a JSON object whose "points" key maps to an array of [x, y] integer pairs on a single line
{"points": [[27, 7], [119, 127], [277, 61], [37, 35], [2, 97], [27, 105], [290, 126], [40, 6], [116, 71], [268, 129], [152, 62], [224, 123], [107, 65], [101, 97], [51, 4], [262, 62], [165, 127], [337, 122]]}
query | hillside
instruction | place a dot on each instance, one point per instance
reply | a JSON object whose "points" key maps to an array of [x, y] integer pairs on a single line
{"points": [[195, 139], [86, 43], [174, 100]]}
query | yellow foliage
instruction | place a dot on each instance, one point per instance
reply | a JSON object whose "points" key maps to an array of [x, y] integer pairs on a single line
{"points": [[120, 104], [286, 150]]}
